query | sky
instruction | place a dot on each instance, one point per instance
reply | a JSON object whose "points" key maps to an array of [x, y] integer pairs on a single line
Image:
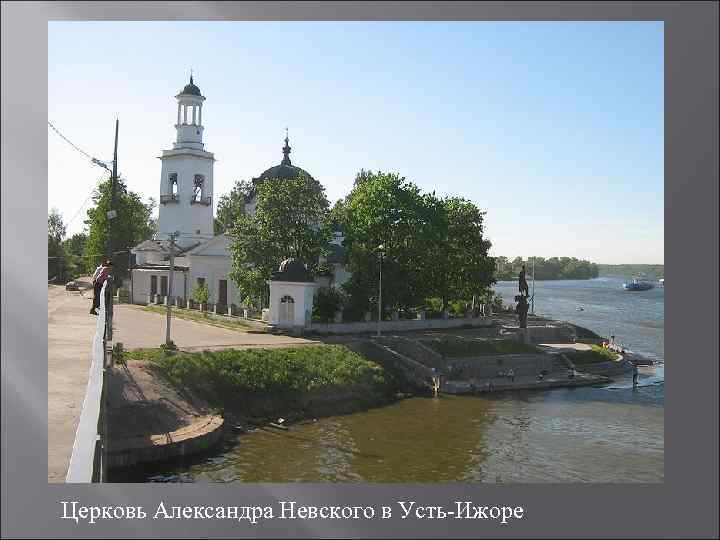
{"points": [[555, 129]]}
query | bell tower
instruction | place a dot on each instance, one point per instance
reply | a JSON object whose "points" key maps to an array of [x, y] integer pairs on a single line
{"points": [[186, 178]]}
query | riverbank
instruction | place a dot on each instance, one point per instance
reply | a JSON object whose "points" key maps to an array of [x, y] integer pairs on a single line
{"points": [[259, 387], [262, 388]]}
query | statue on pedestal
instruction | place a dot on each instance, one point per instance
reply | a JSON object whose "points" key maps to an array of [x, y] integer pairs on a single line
{"points": [[522, 283], [522, 309]]}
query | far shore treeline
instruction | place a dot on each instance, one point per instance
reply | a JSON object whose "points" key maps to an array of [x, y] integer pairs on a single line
{"points": [[546, 269], [646, 271]]}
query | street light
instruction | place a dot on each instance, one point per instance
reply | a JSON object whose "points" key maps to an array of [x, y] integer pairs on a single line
{"points": [[381, 254]]}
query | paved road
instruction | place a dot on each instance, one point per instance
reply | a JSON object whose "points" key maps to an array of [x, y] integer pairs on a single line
{"points": [[70, 333], [137, 328]]}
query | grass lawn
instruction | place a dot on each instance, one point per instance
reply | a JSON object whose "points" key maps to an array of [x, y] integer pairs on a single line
{"points": [[273, 379], [201, 317], [459, 348], [595, 356]]}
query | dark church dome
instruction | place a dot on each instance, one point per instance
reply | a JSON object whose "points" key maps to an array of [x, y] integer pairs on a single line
{"points": [[286, 170], [292, 270], [191, 89]]}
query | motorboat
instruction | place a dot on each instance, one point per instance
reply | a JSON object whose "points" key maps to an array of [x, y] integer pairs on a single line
{"points": [[638, 285]]}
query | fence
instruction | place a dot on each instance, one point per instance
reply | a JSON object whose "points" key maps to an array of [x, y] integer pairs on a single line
{"points": [[87, 463]]}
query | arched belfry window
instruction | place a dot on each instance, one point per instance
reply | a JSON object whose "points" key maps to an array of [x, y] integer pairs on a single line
{"points": [[172, 190], [198, 196]]}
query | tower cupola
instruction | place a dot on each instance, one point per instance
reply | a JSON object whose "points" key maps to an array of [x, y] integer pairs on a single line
{"points": [[189, 117]]}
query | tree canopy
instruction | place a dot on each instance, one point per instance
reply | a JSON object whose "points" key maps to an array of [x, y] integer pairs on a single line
{"points": [[432, 247], [74, 251], [56, 233], [133, 224], [231, 206], [290, 220]]}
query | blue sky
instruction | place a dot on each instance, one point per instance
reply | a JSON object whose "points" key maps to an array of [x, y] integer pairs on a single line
{"points": [[555, 129]]}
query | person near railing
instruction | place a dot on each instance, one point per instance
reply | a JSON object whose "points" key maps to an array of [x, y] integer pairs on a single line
{"points": [[99, 276]]}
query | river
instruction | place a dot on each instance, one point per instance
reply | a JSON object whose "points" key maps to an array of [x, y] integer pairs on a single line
{"points": [[606, 434]]}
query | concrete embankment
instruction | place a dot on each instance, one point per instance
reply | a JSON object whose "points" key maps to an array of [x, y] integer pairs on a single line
{"points": [[608, 369], [148, 421], [201, 435], [416, 364]]}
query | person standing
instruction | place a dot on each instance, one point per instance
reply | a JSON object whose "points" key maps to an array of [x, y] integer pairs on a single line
{"points": [[99, 277], [636, 375]]}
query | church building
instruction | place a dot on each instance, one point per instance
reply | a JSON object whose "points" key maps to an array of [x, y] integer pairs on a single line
{"points": [[186, 216]]}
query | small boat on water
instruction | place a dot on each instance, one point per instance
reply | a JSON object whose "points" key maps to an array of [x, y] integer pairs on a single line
{"points": [[638, 285]]}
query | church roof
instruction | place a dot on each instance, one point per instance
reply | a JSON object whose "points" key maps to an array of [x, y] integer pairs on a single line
{"points": [[149, 245], [190, 89]]}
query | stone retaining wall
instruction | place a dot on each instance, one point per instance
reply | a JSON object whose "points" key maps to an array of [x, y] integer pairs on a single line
{"points": [[489, 366], [409, 325], [199, 436]]}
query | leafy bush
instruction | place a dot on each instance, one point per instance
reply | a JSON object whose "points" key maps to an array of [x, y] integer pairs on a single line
{"points": [[497, 303], [201, 294], [169, 348], [594, 356], [327, 302], [118, 354]]}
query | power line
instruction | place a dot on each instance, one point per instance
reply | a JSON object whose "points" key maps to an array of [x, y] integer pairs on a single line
{"points": [[76, 147], [84, 202]]}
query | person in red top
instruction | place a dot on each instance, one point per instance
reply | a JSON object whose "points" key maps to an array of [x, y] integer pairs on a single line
{"points": [[99, 277]]}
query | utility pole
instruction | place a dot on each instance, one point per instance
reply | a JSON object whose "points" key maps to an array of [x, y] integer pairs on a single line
{"points": [[170, 286], [381, 254], [112, 213], [532, 298]]}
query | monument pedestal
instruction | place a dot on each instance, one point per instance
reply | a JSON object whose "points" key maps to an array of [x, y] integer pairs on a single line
{"points": [[524, 336]]}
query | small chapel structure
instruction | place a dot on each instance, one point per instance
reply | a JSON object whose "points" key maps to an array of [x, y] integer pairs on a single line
{"points": [[200, 256]]}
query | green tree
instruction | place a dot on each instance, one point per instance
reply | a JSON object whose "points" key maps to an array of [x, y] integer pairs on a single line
{"points": [[291, 220], [133, 224], [232, 205], [460, 263], [73, 250], [327, 303], [56, 233], [384, 209]]}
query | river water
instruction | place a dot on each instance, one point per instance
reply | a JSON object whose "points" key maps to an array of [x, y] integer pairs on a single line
{"points": [[606, 434]]}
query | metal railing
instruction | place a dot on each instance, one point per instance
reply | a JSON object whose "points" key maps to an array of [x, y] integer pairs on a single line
{"points": [[87, 463]]}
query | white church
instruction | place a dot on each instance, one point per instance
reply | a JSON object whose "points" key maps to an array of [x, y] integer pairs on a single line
{"points": [[200, 256]]}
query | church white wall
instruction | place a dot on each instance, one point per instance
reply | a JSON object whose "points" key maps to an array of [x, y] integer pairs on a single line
{"points": [[213, 268], [182, 215], [141, 279], [148, 257]]}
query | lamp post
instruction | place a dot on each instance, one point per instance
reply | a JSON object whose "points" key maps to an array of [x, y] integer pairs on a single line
{"points": [[381, 254]]}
